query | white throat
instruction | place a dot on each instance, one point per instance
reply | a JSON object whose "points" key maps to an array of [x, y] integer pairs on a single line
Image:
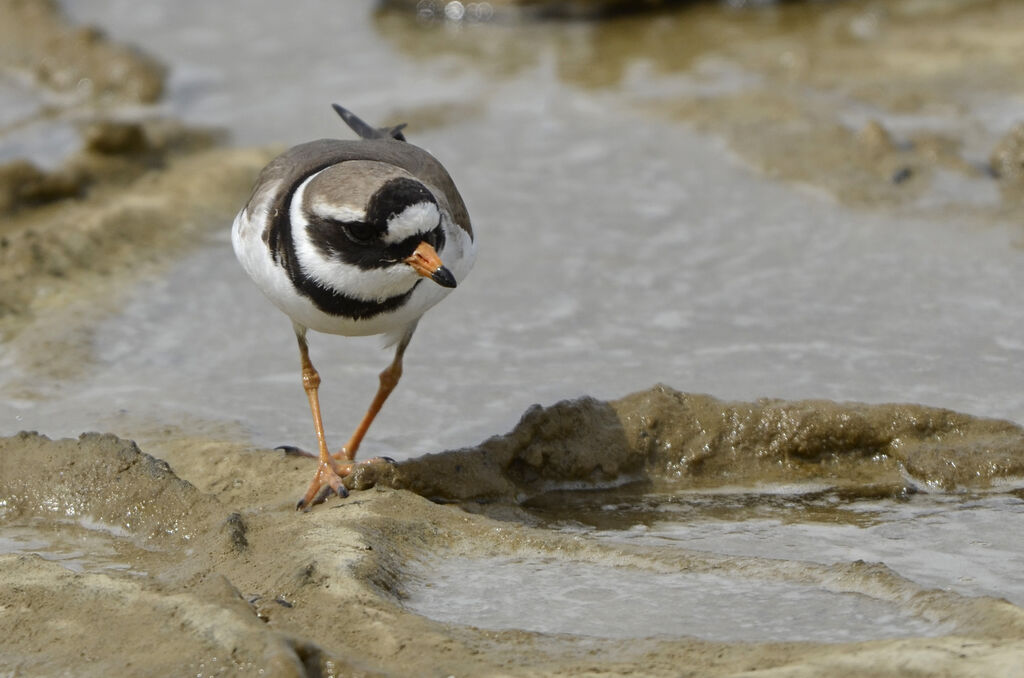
{"points": [[375, 284]]}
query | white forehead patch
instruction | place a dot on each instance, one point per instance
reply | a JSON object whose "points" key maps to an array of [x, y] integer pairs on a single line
{"points": [[417, 219], [328, 210]]}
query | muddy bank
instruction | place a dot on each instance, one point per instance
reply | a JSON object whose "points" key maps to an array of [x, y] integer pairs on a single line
{"points": [[127, 189], [678, 441], [124, 212], [133, 196], [206, 565], [78, 62], [66, 266]]}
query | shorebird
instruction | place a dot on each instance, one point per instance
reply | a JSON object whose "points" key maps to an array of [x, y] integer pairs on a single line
{"points": [[354, 237]]}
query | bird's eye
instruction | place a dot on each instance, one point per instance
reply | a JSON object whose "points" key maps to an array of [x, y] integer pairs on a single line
{"points": [[360, 231]]}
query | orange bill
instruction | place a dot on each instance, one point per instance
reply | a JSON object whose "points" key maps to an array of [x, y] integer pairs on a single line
{"points": [[426, 262]]}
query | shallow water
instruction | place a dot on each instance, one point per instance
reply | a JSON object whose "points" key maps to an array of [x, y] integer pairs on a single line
{"points": [[80, 546], [618, 248], [608, 601], [949, 543], [954, 542]]}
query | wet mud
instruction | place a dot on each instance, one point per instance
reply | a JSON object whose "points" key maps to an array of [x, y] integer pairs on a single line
{"points": [[676, 441], [205, 564], [136, 194], [128, 192], [78, 62], [125, 227], [114, 561], [66, 265]]}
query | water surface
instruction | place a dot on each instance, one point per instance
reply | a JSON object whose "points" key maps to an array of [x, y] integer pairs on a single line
{"points": [[617, 249], [552, 596]]}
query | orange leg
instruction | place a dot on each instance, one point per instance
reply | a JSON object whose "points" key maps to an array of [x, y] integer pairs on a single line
{"points": [[328, 472], [388, 380]]}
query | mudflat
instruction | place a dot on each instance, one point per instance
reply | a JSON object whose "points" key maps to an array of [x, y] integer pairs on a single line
{"points": [[116, 562], [203, 566]]}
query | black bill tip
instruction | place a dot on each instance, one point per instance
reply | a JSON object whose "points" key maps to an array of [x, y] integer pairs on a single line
{"points": [[443, 277]]}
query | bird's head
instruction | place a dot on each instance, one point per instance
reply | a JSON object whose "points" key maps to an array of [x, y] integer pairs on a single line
{"points": [[376, 217]]}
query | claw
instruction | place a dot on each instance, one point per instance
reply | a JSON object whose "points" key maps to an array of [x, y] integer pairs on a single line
{"points": [[327, 480], [327, 491], [321, 496]]}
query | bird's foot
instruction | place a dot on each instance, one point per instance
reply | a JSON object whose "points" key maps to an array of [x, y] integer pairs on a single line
{"points": [[327, 480], [329, 477]]}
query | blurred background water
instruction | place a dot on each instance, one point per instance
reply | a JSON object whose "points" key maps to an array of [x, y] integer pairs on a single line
{"points": [[618, 247]]}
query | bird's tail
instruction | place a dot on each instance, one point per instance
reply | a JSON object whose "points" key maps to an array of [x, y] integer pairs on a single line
{"points": [[364, 130]]}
